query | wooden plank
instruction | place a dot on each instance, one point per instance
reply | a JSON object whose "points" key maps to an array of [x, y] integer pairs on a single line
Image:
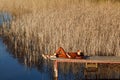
{"points": [[93, 59], [93, 65]]}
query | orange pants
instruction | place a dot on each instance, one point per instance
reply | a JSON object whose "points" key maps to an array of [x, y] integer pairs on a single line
{"points": [[62, 54]]}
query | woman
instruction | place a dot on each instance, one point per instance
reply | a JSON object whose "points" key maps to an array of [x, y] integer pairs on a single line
{"points": [[60, 53]]}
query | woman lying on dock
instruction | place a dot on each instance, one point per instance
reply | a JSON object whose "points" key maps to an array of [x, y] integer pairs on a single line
{"points": [[60, 53]]}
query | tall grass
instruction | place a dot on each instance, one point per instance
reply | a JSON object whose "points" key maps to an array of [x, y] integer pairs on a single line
{"points": [[71, 24], [41, 26]]}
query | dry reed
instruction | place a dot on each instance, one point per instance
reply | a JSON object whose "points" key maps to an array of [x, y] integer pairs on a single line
{"points": [[71, 24]]}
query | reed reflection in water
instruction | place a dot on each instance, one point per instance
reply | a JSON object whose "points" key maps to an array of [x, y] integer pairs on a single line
{"points": [[66, 71], [13, 68], [77, 71]]}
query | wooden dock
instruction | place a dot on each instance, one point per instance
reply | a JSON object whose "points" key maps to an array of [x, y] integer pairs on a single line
{"points": [[92, 61]]}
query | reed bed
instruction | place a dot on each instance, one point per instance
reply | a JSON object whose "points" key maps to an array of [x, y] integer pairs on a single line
{"points": [[42, 26], [21, 7], [94, 30], [72, 24]]}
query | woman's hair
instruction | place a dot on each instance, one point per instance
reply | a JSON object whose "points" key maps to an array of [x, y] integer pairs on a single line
{"points": [[81, 54]]}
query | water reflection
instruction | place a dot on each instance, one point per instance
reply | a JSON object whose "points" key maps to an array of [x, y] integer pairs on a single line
{"points": [[77, 71], [13, 68]]}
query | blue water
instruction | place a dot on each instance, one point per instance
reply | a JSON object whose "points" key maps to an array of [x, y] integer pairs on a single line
{"points": [[11, 69]]}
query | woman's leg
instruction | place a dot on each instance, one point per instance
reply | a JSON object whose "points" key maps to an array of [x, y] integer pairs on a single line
{"points": [[60, 52]]}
